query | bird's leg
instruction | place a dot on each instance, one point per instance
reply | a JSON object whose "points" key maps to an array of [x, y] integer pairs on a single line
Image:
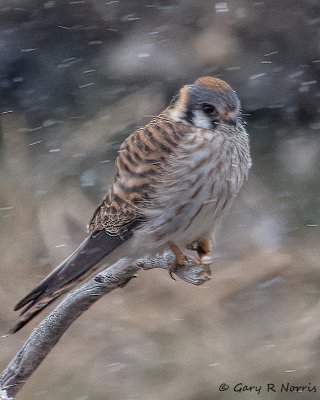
{"points": [[181, 259], [204, 249]]}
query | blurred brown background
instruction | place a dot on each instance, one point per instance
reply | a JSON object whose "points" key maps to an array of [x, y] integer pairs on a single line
{"points": [[75, 78]]}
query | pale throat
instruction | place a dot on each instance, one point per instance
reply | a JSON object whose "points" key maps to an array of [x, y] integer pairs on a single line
{"points": [[198, 118]]}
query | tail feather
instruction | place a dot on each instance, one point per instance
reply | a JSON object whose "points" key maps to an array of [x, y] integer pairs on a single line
{"points": [[68, 274], [31, 311]]}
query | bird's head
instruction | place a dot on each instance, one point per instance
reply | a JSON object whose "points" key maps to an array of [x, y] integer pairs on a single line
{"points": [[206, 103]]}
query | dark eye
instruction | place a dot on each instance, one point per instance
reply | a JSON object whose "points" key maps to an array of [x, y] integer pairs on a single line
{"points": [[208, 109]]}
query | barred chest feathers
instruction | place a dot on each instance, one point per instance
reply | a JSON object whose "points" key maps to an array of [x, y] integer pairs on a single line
{"points": [[202, 179]]}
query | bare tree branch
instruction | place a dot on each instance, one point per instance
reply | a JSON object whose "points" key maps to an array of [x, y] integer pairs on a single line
{"points": [[49, 331]]}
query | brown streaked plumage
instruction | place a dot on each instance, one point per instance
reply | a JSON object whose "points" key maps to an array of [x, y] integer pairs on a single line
{"points": [[175, 178]]}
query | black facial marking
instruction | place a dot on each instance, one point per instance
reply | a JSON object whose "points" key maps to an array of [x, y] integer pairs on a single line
{"points": [[189, 115], [200, 96], [209, 109], [174, 100]]}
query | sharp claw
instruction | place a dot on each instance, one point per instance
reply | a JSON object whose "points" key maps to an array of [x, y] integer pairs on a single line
{"points": [[171, 275]]}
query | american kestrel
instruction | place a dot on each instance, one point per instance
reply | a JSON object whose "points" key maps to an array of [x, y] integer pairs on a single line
{"points": [[174, 179]]}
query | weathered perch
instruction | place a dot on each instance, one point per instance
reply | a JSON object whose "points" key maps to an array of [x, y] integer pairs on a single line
{"points": [[49, 331]]}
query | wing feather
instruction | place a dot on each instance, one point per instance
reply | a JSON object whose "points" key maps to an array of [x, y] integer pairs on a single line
{"points": [[140, 161]]}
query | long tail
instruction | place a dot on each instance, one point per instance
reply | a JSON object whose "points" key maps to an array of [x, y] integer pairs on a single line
{"points": [[69, 273]]}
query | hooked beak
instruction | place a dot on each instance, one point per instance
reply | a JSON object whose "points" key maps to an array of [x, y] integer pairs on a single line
{"points": [[231, 119]]}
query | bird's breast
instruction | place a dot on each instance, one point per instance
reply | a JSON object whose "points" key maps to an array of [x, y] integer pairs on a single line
{"points": [[201, 180]]}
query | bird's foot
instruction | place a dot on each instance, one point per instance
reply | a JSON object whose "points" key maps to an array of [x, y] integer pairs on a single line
{"points": [[204, 248], [181, 260]]}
